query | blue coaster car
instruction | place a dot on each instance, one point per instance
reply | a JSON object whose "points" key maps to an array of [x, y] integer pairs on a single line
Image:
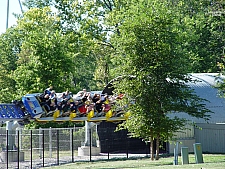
{"points": [[32, 105]]}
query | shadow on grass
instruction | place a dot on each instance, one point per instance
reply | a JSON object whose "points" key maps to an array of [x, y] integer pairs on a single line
{"points": [[114, 159]]}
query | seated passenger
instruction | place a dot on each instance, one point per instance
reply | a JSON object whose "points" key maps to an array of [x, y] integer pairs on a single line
{"points": [[104, 97], [98, 107], [44, 98], [106, 107], [48, 90], [103, 112], [82, 110], [74, 106], [53, 104], [81, 94], [52, 94], [59, 107], [96, 97], [112, 99], [84, 91], [85, 97], [90, 107], [89, 99], [66, 95], [45, 102], [107, 104], [66, 109]]}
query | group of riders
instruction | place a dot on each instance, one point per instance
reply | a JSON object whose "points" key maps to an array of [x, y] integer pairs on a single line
{"points": [[82, 104]]}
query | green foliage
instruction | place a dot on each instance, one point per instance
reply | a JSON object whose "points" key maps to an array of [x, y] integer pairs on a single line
{"points": [[84, 44], [44, 58], [206, 39], [52, 124], [86, 20], [9, 48], [150, 45]]}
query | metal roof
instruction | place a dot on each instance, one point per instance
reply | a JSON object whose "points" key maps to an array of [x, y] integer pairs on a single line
{"points": [[206, 79], [205, 88]]}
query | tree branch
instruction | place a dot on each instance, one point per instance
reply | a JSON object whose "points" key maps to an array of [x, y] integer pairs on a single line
{"points": [[108, 4]]}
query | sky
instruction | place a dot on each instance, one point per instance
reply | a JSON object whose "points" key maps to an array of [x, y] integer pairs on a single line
{"points": [[14, 7]]}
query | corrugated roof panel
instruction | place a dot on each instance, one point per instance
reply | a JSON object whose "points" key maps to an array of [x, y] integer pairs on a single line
{"points": [[204, 88]]}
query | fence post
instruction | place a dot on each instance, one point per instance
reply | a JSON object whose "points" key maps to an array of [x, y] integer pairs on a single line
{"points": [[71, 139], [107, 141], [107, 145], [50, 142], [57, 139], [90, 141], [43, 147], [18, 149], [20, 137], [40, 142], [31, 149], [127, 146], [71, 144], [176, 153], [7, 149]]}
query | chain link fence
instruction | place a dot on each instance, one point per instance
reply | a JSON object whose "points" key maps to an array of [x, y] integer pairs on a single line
{"points": [[39, 148]]}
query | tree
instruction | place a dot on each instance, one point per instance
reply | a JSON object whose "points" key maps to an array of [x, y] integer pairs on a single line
{"points": [[42, 55], [87, 20], [151, 49], [35, 54], [207, 25], [9, 48], [67, 33]]}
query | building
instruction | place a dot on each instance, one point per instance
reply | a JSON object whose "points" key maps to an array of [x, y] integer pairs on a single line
{"points": [[210, 134]]}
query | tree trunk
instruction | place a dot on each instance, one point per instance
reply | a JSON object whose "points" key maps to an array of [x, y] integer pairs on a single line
{"points": [[157, 148], [151, 148]]}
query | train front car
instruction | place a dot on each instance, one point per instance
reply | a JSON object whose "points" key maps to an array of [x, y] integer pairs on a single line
{"points": [[32, 105]]}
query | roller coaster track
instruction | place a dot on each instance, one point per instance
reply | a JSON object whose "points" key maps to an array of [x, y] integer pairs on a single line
{"points": [[10, 112]]}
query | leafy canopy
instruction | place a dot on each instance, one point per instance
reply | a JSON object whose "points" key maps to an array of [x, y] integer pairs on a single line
{"points": [[151, 49]]}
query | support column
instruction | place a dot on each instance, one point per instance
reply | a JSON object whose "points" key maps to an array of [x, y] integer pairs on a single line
{"points": [[88, 126], [10, 126], [12, 153], [86, 150]]}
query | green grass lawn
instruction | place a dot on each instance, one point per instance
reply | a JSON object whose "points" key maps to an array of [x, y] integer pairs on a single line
{"points": [[36, 154], [213, 161]]}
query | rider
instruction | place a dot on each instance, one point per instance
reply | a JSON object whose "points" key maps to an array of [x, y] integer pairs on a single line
{"points": [[48, 90]]}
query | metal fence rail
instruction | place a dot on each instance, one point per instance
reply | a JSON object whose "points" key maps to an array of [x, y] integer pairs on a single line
{"points": [[55, 146]]}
